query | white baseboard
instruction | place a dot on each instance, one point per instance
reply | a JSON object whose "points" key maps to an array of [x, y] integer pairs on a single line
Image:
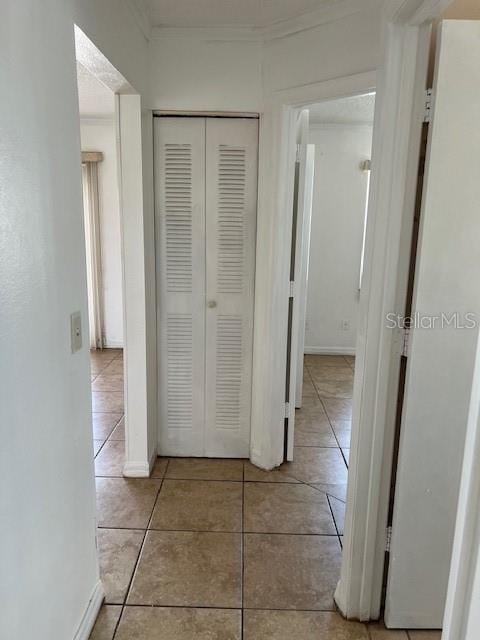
{"points": [[91, 612], [132, 469], [329, 351], [113, 344]]}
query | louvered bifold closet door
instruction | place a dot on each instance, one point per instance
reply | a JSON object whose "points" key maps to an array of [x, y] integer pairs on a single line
{"points": [[231, 199], [180, 230]]}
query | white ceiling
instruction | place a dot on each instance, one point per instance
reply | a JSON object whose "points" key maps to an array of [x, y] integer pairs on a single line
{"points": [[229, 13], [356, 110], [95, 99]]}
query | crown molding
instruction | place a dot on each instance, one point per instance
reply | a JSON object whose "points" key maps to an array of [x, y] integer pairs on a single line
{"points": [[334, 10], [141, 15]]}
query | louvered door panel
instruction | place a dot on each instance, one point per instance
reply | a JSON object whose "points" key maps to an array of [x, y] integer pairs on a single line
{"points": [[231, 197], [180, 241]]}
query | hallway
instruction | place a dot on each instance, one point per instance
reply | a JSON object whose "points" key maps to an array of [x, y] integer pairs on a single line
{"points": [[217, 549]]}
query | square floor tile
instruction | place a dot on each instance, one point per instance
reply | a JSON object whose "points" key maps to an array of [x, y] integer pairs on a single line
{"points": [[340, 373], [290, 571], [198, 505], [315, 464], [308, 390], [159, 467], [111, 458], [338, 509], [125, 502], [189, 569], [107, 401], [106, 622], [311, 402], [338, 408], [104, 382], [343, 432], [96, 368], [280, 474], [300, 625], [115, 368], [336, 490], [101, 357], [314, 360], [377, 631], [312, 429], [286, 508], [334, 388], [119, 432], [204, 469], [118, 551], [103, 424], [165, 623], [425, 635], [97, 445]]}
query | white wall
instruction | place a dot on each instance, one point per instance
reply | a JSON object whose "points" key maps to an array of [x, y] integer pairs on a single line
{"points": [[336, 48], [336, 236], [48, 560], [193, 72], [48, 555], [99, 135]]}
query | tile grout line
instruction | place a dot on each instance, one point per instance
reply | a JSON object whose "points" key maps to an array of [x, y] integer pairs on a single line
{"points": [[142, 545], [328, 417], [254, 533], [108, 438], [341, 452], [216, 607], [334, 522]]}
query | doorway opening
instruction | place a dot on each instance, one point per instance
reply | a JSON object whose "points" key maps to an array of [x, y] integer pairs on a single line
{"points": [[103, 249], [332, 168]]}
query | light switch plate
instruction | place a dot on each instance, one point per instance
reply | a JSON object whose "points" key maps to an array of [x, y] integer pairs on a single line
{"points": [[76, 331]]}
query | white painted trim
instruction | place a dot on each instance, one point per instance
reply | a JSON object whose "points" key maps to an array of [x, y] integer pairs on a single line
{"points": [[133, 469], [91, 612], [396, 139], [344, 87], [459, 619], [334, 10], [113, 344], [274, 227], [398, 117], [139, 469], [97, 120], [323, 15], [138, 421], [330, 351], [206, 114]]}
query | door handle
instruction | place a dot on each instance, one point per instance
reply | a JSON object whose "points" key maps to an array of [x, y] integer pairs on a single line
{"points": [[211, 304]]}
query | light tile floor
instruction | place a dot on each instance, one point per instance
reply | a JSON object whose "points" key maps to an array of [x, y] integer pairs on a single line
{"points": [[217, 549]]}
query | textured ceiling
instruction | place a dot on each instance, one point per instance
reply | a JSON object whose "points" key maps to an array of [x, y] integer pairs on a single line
{"points": [[229, 13], [95, 99], [356, 110]]}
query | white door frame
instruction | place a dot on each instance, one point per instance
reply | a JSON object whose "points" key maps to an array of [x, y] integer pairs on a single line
{"points": [[400, 86], [461, 619], [134, 139]]}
